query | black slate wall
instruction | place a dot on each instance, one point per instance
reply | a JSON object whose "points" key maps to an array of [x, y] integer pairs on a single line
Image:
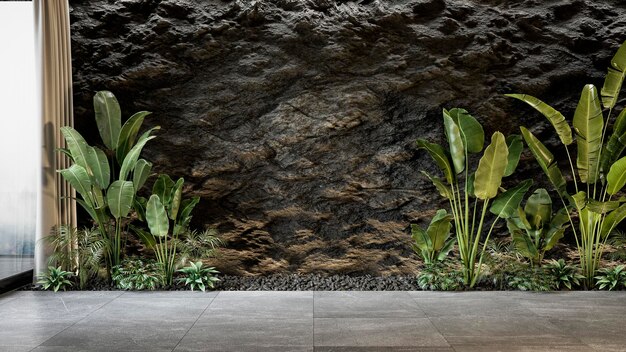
{"points": [[295, 120]]}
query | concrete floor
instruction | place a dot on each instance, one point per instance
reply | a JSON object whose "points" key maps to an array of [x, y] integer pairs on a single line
{"points": [[313, 321]]}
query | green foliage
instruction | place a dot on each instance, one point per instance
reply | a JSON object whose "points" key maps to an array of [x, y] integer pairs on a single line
{"points": [[55, 279], [534, 229], [565, 275], [197, 276], [197, 245], [136, 274], [512, 275], [165, 211], [434, 243], [480, 189], [440, 277], [78, 251], [600, 173], [611, 278], [90, 174]]}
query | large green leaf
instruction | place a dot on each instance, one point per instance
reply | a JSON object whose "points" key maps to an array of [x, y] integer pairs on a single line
{"points": [[491, 168], [588, 123], [108, 118], [599, 207], [546, 161], [139, 204], [444, 190], [614, 78], [175, 198], [612, 220], [556, 118], [163, 188], [186, 206], [552, 237], [157, 217], [507, 203], [616, 178], [131, 158], [616, 144], [78, 178], [421, 239], [515, 145], [455, 142], [99, 165], [146, 237], [441, 158], [538, 208], [128, 134], [472, 132], [77, 146], [447, 247], [120, 198], [524, 245], [439, 229], [141, 173]]}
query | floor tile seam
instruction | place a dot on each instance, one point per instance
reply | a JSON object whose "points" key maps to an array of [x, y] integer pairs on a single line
{"points": [[195, 322], [79, 320]]}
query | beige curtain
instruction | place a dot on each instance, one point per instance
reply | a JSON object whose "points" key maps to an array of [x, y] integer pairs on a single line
{"points": [[54, 64]]}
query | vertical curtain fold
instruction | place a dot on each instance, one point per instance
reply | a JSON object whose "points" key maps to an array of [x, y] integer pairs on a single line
{"points": [[56, 198]]}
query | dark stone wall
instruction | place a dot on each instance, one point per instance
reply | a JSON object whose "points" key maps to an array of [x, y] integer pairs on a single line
{"points": [[295, 120]]}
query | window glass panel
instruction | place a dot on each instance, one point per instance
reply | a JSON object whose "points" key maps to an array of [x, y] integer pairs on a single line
{"points": [[19, 133]]}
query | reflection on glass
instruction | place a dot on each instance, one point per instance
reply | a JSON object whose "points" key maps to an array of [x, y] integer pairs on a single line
{"points": [[18, 139]]}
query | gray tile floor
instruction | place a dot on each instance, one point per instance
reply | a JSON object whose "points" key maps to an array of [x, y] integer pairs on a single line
{"points": [[313, 321]]}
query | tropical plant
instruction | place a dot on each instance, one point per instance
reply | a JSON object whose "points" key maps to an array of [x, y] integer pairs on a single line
{"points": [[137, 274], [55, 278], [601, 174], [510, 274], [618, 243], [90, 174], [534, 229], [564, 274], [78, 251], [434, 243], [166, 206], [611, 278], [197, 276], [440, 277], [196, 245], [465, 136]]}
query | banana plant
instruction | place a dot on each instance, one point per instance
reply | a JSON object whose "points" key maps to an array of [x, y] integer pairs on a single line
{"points": [[535, 229], [598, 173], [434, 243], [108, 203], [473, 195], [165, 210]]}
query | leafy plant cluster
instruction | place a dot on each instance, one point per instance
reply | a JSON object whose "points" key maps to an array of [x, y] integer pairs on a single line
{"points": [[109, 180], [590, 206]]}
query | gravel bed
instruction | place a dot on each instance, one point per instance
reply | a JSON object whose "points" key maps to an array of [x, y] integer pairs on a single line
{"points": [[289, 282], [313, 282]]}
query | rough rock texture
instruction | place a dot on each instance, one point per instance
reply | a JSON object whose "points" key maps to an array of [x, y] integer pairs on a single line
{"points": [[295, 120]]}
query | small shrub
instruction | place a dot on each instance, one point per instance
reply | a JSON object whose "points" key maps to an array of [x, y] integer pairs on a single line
{"points": [[564, 274], [135, 274], [197, 245], [55, 279], [439, 277], [513, 275], [434, 243], [611, 278], [197, 276]]}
